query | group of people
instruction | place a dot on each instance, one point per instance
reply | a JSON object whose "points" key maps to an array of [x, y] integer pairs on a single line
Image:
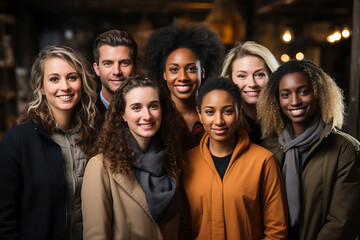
{"points": [[186, 144]]}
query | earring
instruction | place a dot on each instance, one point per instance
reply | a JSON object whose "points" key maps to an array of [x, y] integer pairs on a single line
{"points": [[203, 75]]}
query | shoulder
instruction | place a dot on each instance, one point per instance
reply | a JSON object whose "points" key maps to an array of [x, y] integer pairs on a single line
{"points": [[20, 133], [96, 163]]}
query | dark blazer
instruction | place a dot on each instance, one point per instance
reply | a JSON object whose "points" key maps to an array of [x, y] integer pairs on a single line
{"points": [[32, 185], [100, 105]]}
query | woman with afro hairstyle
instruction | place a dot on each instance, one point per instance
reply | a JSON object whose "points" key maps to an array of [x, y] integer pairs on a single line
{"points": [[183, 58], [43, 158], [249, 65], [129, 189], [301, 110]]}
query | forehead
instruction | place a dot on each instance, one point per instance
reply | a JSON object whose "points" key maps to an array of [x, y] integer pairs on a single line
{"points": [[57, 64], [141, 95], [218, 98], [247, 63], [293, 80], [181, 54], [114, 52]]}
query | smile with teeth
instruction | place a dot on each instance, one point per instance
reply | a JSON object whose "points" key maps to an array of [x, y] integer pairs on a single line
{"points": [[183, 88], [146, 125], [65, 96], [252, 93], [297, 112]]}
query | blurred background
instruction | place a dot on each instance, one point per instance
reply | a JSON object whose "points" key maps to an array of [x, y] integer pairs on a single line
{"points": [[324, 31]]}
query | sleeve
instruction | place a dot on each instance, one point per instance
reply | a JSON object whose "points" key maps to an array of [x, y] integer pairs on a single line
{"points": [[343, 218], [96, 201], [10, 186], [274, 206]]}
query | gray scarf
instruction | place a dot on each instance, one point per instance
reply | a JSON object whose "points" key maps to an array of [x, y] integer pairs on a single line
{"points": [[160, 189], [293, 148]]}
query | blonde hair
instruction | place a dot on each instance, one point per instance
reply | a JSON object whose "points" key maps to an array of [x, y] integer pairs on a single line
{"points": [[38, 109], [329, 97], [249, 48]]}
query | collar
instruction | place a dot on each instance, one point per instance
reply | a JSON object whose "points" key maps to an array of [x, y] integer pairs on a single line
{"points": [[103, 100]]}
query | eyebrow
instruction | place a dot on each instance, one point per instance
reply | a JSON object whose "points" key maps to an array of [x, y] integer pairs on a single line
{"points": [[176, 64], [226, 106], [154, 101], [302, 86]]}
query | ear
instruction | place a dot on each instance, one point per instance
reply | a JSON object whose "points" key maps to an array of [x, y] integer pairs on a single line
{"points": [[123, 117], [202, 73], [42, 91], [164, 76], [96, 69], [197, 109]]}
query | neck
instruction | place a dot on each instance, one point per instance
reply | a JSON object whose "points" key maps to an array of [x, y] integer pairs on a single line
{"points": [[298, 130], [249, 110], [63, 119], [222, 149], [106, 94], [187, 109]]}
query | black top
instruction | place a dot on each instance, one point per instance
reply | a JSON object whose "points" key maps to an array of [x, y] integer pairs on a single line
{"points": [[221, 164], [255, 134]]}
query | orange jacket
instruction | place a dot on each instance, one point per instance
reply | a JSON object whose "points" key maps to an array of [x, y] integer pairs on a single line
{"points": [[249, 203]]}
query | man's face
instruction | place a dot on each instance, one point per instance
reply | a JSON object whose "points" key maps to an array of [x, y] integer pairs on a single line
{"points": [[115, 65]]}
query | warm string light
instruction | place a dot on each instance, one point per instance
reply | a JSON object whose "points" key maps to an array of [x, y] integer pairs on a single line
{"points": [[285, 57], [337, 35]]}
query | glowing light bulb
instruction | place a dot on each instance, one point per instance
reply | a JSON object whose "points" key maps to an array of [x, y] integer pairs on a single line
{"points": [[285, 57], [337, 35], [299, 56], [287, 36], [345, 33]]}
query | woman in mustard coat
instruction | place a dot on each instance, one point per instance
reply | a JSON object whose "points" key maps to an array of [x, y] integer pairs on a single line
{"points": [[233, 186]]}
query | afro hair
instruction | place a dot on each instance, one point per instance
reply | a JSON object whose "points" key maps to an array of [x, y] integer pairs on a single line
{"points": [[200, 39]]}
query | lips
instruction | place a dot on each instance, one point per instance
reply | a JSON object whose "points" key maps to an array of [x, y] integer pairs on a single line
{"points": [[146, 125], [252, 93], [219, 131], [297, 112], [183, 88], [66, 97]]}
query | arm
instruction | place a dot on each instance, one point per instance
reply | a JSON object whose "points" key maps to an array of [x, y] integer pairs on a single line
{"points": [[274, 206], [343, 216], [96, 201], [10, 186]]}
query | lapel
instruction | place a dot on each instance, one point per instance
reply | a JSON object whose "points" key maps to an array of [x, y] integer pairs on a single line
{"points": [[134, 190]]}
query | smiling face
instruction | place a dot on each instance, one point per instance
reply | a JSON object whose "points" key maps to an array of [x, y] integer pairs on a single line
{"points": [[182, 74], [61, 86], [115, 65], [219, 116], [250, 74], [297, 100], [143, 114]]}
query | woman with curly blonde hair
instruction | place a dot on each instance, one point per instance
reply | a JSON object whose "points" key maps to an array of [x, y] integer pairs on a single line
{"points": [[43, 158], [129, 189], [301, 111], [249, 65]]}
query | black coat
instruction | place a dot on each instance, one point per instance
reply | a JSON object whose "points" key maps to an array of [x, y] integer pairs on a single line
{"points": [[32, 185]]}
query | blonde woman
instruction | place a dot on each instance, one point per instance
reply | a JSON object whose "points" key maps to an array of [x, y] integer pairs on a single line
{"points": [[249, 65], [301, 111], [43, 158]]}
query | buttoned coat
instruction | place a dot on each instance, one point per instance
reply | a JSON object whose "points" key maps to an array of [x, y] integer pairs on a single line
{"points": [[114, 207], [248, 203], [330, 186]]}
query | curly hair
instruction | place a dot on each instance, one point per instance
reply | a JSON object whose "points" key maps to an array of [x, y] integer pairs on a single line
{"points": [[85, 113], [219, 83], [114, 138], [249, 48], [115, 38], [328, 95], [200, 39]]}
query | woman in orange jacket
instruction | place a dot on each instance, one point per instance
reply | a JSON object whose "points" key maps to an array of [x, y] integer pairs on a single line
{"points": [[233, 186]]}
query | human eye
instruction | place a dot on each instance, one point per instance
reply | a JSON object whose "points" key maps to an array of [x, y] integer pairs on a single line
{"points": [[241, 76], [107, 63], [173, 69], [136, 108], [192, 69], [73, 77], [125, 63], [304, 92], [154, 106], [54, 79], [284, 95], [260, 75], [209, 112], [228, 111]]}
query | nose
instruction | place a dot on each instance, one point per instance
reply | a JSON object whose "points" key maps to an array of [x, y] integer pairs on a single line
{"points": [[295, 100], [65, 84], [183, 75], [252, 82], [117, 69], [147, 114], [218, 119]]}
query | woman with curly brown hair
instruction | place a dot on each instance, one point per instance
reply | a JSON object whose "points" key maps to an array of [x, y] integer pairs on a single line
{"points": [[43, 158], [183, 58], [301, 110], [129, 189]]}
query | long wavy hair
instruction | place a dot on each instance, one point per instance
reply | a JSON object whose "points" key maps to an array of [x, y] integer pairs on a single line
{"points": [[249, 48], [114, 138], [329, 97], [38, 110]]}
